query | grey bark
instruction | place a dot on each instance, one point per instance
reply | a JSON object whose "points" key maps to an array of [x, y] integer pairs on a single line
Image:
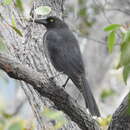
{"points": [[121, 117], [29, 50], [48, 88]]}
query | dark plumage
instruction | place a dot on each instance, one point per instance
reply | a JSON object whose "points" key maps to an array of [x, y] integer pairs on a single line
{"points": [[66, 57]]}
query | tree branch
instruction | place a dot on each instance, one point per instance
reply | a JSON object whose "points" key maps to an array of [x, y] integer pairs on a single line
{"points": [[121, 117], [49, 89]]}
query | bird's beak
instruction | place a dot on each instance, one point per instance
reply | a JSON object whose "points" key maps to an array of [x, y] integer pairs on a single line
{"points": [[41, 21]]}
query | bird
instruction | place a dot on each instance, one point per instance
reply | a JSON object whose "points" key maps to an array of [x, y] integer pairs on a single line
{"points": [[65, 55]]}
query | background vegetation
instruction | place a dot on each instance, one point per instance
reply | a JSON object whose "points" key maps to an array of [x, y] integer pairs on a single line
{"points": [[102, 28]]}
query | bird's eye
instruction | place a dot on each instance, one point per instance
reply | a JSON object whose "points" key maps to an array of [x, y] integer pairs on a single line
{"points": [[51, 20]]}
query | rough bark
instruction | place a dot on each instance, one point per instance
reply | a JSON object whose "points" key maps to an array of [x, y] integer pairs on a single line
{"points": [[48, 88], [121, 117], [29, 49]]}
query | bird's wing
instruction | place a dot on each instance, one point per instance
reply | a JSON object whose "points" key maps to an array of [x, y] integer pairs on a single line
{"points": [[64, 52], [66, 57]]}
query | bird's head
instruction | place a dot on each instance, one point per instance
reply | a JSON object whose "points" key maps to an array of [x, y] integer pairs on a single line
{"points": [[51, 22]]}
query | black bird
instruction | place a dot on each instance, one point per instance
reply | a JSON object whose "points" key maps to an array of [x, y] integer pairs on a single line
{"points": [[65, 56]]}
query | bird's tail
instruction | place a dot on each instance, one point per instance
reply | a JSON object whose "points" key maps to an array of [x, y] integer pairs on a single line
{"points": [[90, 102]]}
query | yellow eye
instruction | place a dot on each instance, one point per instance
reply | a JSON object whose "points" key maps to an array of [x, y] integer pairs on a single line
{"points": [[51, 20]]}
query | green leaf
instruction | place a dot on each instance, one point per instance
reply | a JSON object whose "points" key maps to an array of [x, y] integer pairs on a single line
{"points": [[14, 27], [128, 108], [126, 73], [43, 10], [126, 36], [19, 5], [13, 21], [106, 93], [52, 114], [112, 27], [6, 115], [111, 41], [15, 126], [125, 51], [60, 124], [16, 30], [82, 12], [105, 121], [7, 2]]}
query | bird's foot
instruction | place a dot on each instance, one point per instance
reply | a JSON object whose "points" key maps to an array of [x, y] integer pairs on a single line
{"points": [[63, 85]]}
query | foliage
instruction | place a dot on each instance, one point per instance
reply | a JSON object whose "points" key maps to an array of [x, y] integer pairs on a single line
{"points": [[105, 121], [16, 126], [19, 5], [11, 122], [14, 123], [14, 27], [107, 93], [111, 40], [7, 2], [16, 30], [57, 116], [128, 108], [124, 47], [126, 72], [112, 27], [84, 19]]}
